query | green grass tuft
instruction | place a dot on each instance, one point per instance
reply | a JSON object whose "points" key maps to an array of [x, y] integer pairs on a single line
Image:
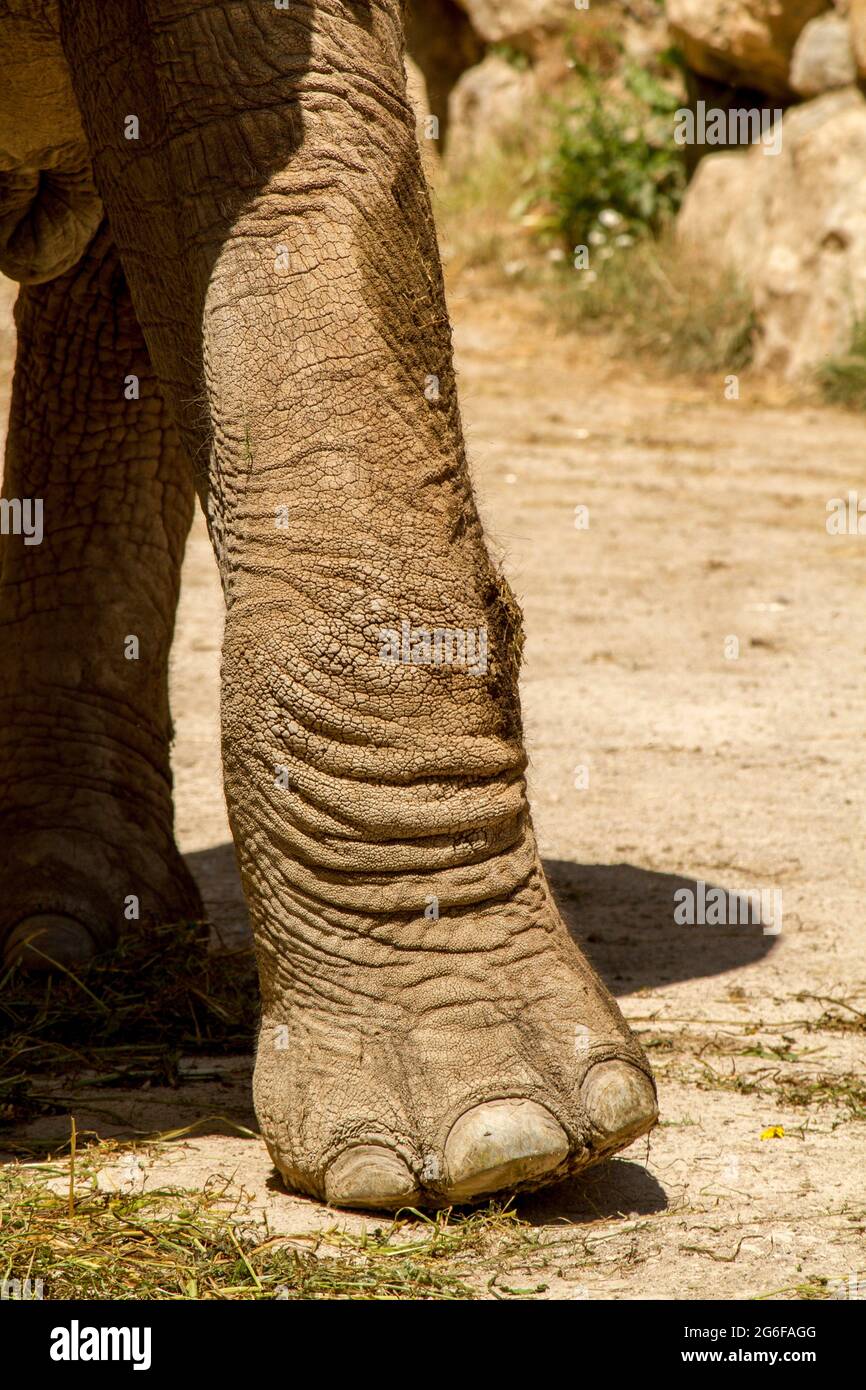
{"points": [[843, 379]]}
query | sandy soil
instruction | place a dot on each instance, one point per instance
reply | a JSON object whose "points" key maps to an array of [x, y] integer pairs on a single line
{"points": [[706, 522]]}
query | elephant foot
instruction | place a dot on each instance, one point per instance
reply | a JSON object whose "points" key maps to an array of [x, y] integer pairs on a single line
{"points": [[435, 1077], [66, 897], [495, 1148]]}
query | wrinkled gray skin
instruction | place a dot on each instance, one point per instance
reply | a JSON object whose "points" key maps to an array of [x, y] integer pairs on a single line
{"points": [[262, 258]]}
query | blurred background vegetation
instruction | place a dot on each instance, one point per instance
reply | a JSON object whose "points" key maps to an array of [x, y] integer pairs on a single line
{"points": [[555, 168]]}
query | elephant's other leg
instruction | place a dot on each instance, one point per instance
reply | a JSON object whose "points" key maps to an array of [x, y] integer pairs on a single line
{"points": [[98, 502], [429, 1033]]}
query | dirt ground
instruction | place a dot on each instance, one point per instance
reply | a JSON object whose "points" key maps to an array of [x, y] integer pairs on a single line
{"points": [[706, 522]]}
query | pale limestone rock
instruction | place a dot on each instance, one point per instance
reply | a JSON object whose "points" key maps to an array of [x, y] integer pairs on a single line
{"points": [[823, 57], [857, 21], [504, 21], [793, 226], [487, 105], [744, 42]]}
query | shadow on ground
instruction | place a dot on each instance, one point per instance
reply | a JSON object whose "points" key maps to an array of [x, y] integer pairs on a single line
{"points": [[623, 919], [618, 1187]]}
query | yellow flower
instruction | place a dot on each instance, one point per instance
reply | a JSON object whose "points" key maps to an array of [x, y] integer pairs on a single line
{"points": [[774, 1132]]}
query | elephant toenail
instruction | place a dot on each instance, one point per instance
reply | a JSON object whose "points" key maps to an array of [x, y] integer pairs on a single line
{"points": [[43, 942], [501, 1145], [619, 1101], [370, 1176]]}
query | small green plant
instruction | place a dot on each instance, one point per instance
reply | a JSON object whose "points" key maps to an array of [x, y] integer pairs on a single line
{"points": [[614, 154], [843, 379], [515, 57]]}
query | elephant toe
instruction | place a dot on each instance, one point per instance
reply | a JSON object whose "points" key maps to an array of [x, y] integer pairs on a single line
{"points": [[619, 1102], [370, 1176], [46, 941], [501, 1145]]}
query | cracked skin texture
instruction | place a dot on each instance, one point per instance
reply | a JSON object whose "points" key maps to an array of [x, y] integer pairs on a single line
{"points": [[274, 229]]}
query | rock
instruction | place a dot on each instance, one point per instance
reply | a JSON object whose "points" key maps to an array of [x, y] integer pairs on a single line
{"points": [[518, 22], [823, 56], [793, 227], [744, 42], [857, 22], [487, 105]]}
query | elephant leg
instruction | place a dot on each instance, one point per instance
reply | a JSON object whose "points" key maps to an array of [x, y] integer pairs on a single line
{"points": [[87, 604], [429, 1032]]}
